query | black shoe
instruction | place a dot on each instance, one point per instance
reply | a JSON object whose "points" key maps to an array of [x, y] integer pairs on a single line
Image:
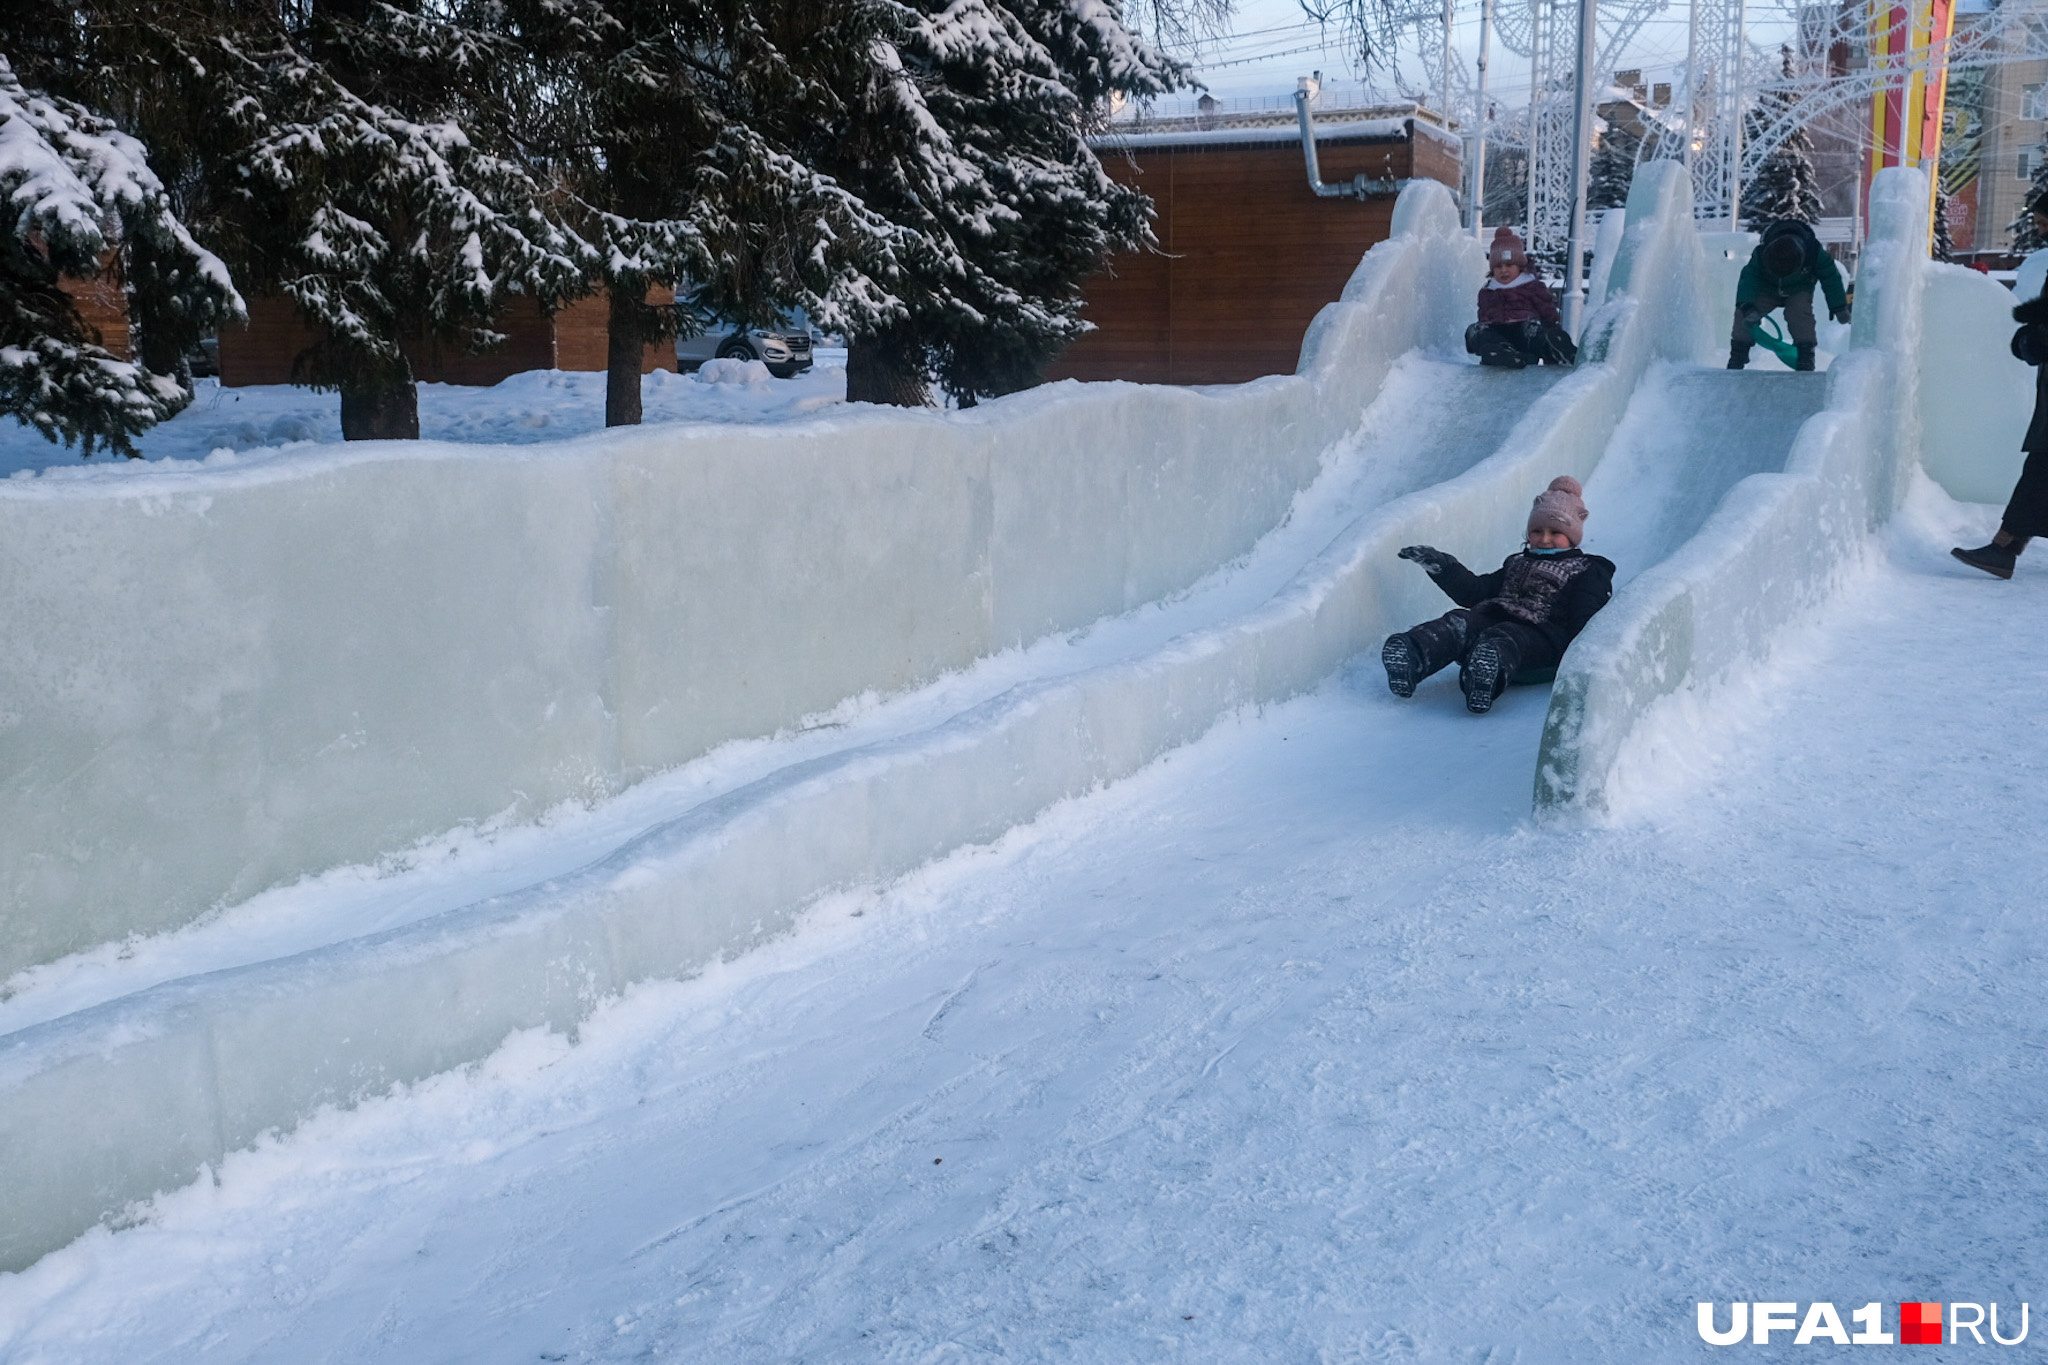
{"points": [[1403, 664], [1503, 357], [1738, 355], [1483, 678], [1994, 559], [1802, 358]]}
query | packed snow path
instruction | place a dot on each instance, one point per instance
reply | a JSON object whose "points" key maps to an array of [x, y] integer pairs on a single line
{"points": [[1302, 1044]]}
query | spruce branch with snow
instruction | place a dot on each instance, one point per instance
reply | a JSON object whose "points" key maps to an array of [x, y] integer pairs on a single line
{"points": [[82, 205], [966, 125], [362, 191]]}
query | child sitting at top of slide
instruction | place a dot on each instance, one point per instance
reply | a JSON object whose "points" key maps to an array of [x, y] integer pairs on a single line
{"points": [[1518, 320], [1513, 624]]}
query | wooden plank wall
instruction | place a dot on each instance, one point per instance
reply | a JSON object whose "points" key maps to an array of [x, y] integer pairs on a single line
{"points": [[103, 308], [262, 351], [1248, 254], [581, 343]]}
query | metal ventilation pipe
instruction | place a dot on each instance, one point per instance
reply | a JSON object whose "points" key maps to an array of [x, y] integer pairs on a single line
{"points": [[1360, 186]]}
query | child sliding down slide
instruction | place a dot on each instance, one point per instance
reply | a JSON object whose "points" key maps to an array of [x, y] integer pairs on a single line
{"points": [[1518, 320], [1513, 624]]}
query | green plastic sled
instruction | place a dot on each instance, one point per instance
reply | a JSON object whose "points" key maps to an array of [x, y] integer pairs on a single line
{"points": [[1774, 340]]}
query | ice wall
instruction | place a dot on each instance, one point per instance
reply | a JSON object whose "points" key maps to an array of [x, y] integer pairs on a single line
{"points": [[1772, 551], [1975, 398], [110, 1104], [215, 681]]}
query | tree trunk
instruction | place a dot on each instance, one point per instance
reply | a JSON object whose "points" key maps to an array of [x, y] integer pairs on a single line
{"points": [[886, 368], [382, 411], [625, 343]]}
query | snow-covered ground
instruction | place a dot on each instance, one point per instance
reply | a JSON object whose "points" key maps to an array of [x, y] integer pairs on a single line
{"points": [[275, 421], [1304, 1044]]}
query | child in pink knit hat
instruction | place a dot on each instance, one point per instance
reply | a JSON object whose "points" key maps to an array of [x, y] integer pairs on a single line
{"points": [[1513, 624], [1518, 318]]}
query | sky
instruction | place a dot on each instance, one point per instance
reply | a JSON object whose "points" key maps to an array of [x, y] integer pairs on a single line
{"points": [[1269, 43]]}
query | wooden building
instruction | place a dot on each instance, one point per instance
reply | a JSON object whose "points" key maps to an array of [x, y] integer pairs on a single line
{"points": [[1247, 251], [262, 350]]}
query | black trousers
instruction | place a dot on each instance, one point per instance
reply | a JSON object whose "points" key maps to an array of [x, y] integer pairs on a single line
{"points": [[1798, 317], [1451, 637], [1536, 342], [2026, 513]]}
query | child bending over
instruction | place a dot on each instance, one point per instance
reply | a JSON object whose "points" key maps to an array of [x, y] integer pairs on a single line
{"points": [[1513, 624]]}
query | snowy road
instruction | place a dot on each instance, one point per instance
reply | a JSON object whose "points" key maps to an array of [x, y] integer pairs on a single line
{"points": [[1301, 1045]]}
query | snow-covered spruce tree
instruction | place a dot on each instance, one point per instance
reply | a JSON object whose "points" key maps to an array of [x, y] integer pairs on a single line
{"points": [[1942, 245], [965, 123], [1507, 186], [82, 204], [1785, 184], [654, 119], [2024, 238], [1613, 169], [359, 190]]}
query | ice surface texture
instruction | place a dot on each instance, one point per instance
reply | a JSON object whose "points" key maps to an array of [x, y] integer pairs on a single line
{"points": [[275, 673], [116, 1101], [1777, 542], [217, 680]]}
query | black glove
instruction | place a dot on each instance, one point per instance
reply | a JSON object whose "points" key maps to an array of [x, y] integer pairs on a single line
{"points": [[1840, 314], [1433, 560], [1749, 314]]}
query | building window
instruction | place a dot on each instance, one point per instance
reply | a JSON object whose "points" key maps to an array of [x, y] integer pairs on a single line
{"points": [[2034, 101], [2026, 170]]}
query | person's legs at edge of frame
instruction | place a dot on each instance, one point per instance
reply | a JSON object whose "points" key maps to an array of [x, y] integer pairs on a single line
{"points": [[2026, 512], [2026, 516]]}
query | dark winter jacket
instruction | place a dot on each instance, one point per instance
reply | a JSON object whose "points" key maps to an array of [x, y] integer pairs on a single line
{"points": [[1529, 299], [1817, 268], [1557, 594], [2030, 344]]}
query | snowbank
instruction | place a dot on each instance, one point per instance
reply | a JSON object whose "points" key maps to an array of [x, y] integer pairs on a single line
{"points": [[1771, 552], [115, 1102], [282, 423], [218, 678]]}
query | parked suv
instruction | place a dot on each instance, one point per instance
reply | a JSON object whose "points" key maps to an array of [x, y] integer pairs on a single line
{"points": [[786, 351]]}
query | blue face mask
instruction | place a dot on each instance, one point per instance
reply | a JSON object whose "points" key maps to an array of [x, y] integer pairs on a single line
{"points": [[1562, 549]]}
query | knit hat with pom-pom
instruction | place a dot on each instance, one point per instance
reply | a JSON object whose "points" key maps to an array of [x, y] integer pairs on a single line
{"points": [[1560, 508], [1507, 247]]}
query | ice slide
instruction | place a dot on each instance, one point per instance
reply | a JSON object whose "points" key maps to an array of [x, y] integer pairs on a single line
{"points": [[1691, 435], [1776, 527], [187, 1045], [180, 1044]]}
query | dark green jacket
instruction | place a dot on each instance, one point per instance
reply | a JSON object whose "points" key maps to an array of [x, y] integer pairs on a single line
{"points": [[1819, 268]]}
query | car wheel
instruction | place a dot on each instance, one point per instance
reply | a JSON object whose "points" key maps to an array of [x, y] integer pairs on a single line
{"points": [[736, 350]]}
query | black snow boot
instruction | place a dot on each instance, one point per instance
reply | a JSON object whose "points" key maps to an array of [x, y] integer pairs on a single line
{"points": [[1403, 664], [1550, 343], [1999, 558], [1485, 675], [1802, 357], [1738, 355]]}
